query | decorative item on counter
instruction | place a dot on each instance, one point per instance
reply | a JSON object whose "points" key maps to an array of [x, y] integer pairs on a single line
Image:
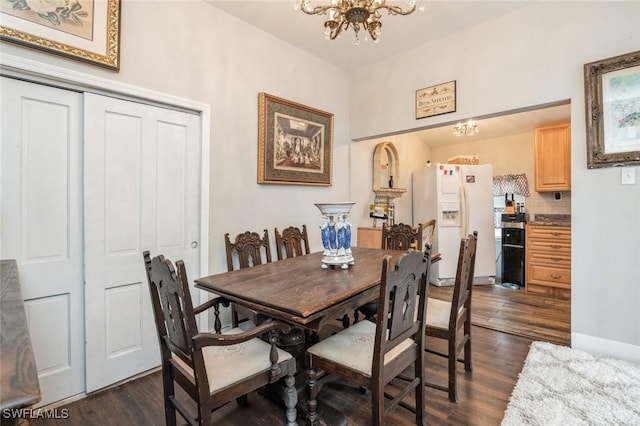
{"points": [[335, 231], [509, 206], [390, 181]]}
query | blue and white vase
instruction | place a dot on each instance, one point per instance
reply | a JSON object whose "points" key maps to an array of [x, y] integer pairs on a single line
{"points": [[335, 231]]}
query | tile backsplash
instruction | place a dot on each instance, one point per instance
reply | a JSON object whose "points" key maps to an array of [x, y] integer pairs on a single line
{"points": [[545, 203]]}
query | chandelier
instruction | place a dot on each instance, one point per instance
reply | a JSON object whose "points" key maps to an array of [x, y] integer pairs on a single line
{"points": [[469, 128], [354, 13]]}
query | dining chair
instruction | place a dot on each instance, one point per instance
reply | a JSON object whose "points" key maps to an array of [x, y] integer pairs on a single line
{"points": [[212, 368], [370, 355], [445, 319], [292, 242], [394, 237], [247, 250], [401, 237]]}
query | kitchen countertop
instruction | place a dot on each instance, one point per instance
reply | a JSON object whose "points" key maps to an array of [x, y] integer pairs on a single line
{"points": [[551, 220]]}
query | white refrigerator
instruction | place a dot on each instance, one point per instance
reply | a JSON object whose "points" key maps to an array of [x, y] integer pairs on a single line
{"points": [[460, 198]]}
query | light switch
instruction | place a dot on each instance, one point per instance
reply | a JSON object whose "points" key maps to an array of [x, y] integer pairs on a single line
{"points": [[628, 176]]}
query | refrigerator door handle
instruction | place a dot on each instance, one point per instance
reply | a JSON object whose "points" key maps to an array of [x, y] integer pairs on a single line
{"points": [[464, 220]]}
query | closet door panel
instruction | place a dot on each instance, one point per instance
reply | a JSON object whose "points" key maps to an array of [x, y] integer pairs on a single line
{"points": [[41, 225], [142, 183]]}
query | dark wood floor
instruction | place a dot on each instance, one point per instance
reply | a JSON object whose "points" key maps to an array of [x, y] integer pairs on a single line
{"points": [[516, 312], [497, 360]]}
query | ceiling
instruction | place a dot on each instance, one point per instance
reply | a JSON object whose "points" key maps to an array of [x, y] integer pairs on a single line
{"points": [[399, 34]]}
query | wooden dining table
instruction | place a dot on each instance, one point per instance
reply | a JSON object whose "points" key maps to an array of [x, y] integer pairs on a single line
{"points": [[19, 384], [298, 291]]}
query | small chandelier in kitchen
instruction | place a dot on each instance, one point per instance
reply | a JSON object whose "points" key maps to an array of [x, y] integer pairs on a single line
{"points": [[469, 128], [354, 13]]}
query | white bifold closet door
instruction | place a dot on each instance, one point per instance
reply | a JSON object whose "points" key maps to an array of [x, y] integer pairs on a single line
{"points": [[88, 183], [141, 192]]}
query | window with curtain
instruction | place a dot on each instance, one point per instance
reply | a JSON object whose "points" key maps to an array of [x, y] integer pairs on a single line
{"points": [[511, 184]]}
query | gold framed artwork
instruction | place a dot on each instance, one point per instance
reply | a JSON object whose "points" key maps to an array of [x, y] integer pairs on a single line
{"points": [[612, 105], [85, 30], [436, 100], [295, 143]]}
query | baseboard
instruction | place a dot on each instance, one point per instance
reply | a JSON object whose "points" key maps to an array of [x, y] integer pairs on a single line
{"points": [[609, 348]]}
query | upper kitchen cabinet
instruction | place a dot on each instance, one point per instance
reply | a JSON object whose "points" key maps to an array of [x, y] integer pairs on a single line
{"points": [[552, 148]]}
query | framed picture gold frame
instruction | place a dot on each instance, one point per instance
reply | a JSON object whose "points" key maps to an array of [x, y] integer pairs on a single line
{"points": [[436, 100], [295, 143], [612, 105], [84, 30]]}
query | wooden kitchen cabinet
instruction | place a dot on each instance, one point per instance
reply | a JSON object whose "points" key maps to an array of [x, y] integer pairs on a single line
{"points": [[548, 260], [370, 237], [552, 158]]}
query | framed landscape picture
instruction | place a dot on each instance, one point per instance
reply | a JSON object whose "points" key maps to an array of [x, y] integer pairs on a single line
{"points": [[612, 101], [295, 143], [85, 30]]}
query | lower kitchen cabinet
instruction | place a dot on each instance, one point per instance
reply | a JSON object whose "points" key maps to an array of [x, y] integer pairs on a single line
{"points": [[370, 237], [548, 259]]}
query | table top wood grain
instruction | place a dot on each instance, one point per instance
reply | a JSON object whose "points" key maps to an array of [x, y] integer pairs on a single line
{"points": [[18, 373], [299, 291]]}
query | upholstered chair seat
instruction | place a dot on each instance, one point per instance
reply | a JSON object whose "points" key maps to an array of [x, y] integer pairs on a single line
{"points": [[226, 365], [438, 313], [353, 347]]}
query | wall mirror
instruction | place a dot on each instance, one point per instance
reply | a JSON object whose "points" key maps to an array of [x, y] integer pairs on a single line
{"points": [[613, 111]]}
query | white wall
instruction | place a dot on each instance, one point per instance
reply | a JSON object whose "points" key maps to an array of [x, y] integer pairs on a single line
{"points": [[535, 55], [192, 50]]}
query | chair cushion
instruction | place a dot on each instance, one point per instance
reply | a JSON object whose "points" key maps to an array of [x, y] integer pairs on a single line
{"points": [[353, 347], [229, 364], [438, 313]]}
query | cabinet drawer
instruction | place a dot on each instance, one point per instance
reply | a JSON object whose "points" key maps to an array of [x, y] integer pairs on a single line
{"points": [[369, 237], [560, 259], [549, 275], [560, 247], [555, 233], [563, 293]]}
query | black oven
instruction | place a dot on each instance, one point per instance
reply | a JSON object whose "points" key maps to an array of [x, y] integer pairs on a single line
{"points": [[513, 244]]}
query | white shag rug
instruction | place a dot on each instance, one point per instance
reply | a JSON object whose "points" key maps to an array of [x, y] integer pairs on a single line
{"points": [[563, 386]]}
